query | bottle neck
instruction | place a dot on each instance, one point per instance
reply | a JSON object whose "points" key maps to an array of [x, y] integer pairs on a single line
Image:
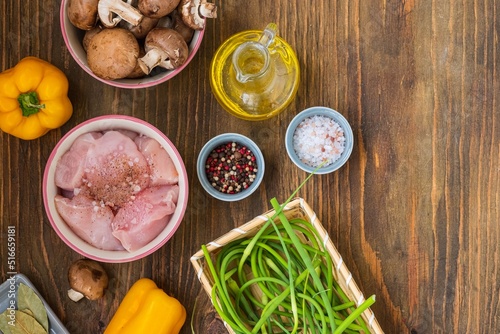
{"points": [[251, 62]]}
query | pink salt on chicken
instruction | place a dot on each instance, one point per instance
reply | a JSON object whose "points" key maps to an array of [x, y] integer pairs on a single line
{"points": [[140, 221], [89, 220], [70, 169], [115, 170], [162, 167]]}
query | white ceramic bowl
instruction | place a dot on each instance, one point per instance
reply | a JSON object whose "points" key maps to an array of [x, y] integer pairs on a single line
{"points": [[73, 38], [221, 140], [332, 114], [50, 190]]}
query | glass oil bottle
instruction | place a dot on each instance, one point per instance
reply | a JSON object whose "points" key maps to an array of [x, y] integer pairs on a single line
{"points": [[254, 74]]}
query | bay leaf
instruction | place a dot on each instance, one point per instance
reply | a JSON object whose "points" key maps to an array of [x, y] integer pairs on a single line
{"points": [[26, 324], [27, 299], [4, 323], [28, 311]]}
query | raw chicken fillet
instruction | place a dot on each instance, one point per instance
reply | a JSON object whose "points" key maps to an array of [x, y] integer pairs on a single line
{"points": [[140, 221], [118, 189]]}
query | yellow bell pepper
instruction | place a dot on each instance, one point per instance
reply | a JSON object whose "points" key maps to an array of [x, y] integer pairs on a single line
{"points": [[33, 99], [147, 309]]}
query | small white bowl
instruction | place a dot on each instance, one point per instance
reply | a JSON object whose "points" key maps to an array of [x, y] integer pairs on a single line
{"points": [[73, 38], [221, 140], [332, 114], [50, 190]]}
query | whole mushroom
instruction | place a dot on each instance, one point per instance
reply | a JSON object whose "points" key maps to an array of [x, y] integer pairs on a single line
{"points": [[165, 22], [165, 48], [157, 8], [181, 27], [89, 34], [141, 30], [83, 13], [112, 53], [137, 71], [86, 278], [194, 12], [111, 12]]}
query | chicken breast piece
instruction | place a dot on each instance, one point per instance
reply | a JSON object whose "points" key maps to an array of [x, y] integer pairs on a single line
{"points": [[162, 167], [71, 167], [115, 170], [140, 221], [89, 220]]}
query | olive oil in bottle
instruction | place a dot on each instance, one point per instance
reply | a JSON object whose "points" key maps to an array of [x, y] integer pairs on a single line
{"points": [[255, 74]]}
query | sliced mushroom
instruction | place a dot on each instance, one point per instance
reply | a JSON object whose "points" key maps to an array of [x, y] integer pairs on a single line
{"points": [[111, 12], [83, 13], [157, 8], [88, 36], [181, 27], [165, 48], [112, 53], [194, 12], [88, 279]]}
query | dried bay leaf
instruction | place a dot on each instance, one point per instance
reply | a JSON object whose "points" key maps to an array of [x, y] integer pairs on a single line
{"points": [[27, 299], [26, 324], [4, 323], [28, 312]]}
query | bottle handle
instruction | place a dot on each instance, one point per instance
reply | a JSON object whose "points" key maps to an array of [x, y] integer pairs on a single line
{"points": [[268, 34]]}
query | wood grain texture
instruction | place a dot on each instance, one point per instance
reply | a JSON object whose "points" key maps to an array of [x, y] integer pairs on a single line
{"points": [[414, 212]]}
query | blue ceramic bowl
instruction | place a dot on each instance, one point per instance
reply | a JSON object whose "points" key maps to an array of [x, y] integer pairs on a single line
{"points": [[218, 141], [319, 111]]}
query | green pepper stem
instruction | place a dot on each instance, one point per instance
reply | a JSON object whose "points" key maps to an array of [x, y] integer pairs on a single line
{"points": [[29, 103]]}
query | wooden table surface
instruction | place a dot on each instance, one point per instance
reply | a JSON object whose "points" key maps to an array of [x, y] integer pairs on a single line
{"points": [[415, 211]]}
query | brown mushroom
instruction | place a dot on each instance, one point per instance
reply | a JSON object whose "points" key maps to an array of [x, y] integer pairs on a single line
{"points": [[157, 8], [194, 12], [111, 12], [88, 36], [138, 72], [112, 53], [181, 27], [165, 48], [141, 30], [83, 13], [165, 22], [86, 278]]}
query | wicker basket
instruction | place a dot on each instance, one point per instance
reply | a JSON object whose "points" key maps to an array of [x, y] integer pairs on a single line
{"points": [[296, 208]]}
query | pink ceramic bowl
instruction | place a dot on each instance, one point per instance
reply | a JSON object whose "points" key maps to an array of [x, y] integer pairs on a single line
{"points": [[50, 190], [73, 38]]}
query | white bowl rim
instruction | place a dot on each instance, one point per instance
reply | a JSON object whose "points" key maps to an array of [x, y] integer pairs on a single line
{"points": [[221, 139], [126, 83], [336, 116], [63, 230]]}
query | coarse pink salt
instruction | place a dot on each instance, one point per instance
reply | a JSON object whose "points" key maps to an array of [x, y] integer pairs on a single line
{"points": [[318, 138]]}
